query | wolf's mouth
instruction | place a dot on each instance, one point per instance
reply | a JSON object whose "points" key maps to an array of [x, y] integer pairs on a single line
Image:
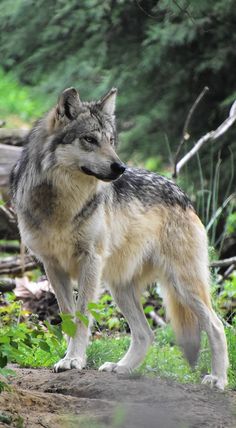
{"points": [[112, 176]]}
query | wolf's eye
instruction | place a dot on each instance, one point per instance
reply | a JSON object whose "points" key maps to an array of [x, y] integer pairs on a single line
{"points": [[90, 140], [112, 140]]}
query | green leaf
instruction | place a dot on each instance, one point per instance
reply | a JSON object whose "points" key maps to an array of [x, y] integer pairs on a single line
{"points": [[82, 318], [4, 339], [148, 309], [113, 322], [69, 327], [44, 346], [93, 305], [96, 315]]}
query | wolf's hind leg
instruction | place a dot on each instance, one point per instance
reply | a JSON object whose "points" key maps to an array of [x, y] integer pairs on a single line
{"points": [[190, 311], [216, 335], [128, 300]]}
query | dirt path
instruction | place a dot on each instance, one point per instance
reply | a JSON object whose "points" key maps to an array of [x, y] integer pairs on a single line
{"points": [[41, 398]]}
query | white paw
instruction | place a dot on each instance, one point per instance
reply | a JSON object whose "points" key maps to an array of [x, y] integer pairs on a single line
{"points": [[116, 368], [217, 381], [107, 367], [67, 363]]}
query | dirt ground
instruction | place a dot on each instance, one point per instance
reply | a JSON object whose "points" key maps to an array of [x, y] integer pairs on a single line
{"points": [[41, 398]]}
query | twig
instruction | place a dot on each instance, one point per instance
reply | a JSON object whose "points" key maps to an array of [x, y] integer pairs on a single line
{"points": [[210, 136], [185, 135], [157, 319], [225, 262], [227, 273]]}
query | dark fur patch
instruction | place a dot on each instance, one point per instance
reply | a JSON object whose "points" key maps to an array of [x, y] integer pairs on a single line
{"points": [[43, 201], [89, 208], [64, 137], [149, 188], [31, 219]]}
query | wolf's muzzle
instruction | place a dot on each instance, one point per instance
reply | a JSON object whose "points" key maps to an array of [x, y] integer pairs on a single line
{"points": [[118, 168]]}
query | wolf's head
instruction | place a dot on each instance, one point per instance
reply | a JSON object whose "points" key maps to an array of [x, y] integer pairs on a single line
{"points": [[83, 135]]}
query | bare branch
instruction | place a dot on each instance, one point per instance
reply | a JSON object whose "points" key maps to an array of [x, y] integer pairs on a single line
{"points": [[223, 263], [210, 136], [186, 135], [8, 157], [226, 274], [157, 319]]}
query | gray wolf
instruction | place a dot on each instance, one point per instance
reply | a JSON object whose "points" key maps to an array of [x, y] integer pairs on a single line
{"points": [[91, 219]]}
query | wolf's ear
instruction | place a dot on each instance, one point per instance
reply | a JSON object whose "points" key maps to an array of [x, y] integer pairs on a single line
{"points": [[68, 104], [108, 102]]}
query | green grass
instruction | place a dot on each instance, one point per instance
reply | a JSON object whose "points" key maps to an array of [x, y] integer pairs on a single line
{"points": [[18, 100], [163, 359]]}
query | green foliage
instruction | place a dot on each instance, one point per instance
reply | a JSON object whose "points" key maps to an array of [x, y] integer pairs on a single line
{"points": [[33, 344], [231, 223], [224, 298], [28, 342], [16, 99], [159, 65]]}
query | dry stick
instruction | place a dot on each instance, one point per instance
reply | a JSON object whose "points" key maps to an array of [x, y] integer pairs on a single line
{"points": [[185, 135], [226, 274], [157, 319], [224, 262], [212, 135]]}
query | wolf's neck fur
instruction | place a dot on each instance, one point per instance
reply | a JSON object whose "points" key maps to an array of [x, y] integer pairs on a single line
{"points": [[74, 188]]}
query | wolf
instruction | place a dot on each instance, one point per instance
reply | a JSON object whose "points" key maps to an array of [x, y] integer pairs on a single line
{"points": [[92, 220]]}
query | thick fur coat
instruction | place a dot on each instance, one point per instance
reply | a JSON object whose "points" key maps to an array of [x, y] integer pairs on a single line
{"points": [[91, 219]]}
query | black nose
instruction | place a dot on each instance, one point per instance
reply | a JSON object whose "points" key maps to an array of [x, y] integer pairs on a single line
{"points": [[118, 168]]}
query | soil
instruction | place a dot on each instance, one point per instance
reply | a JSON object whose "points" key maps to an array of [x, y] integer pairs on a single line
{"points": [[72, 399]]}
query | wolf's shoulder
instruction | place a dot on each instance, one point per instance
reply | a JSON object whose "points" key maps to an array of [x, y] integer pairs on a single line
{"points": [[149, 188]]}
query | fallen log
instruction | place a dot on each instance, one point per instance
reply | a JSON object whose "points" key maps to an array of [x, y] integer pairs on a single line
{"points": [[17, 265], [13, 137], [8, 157]]}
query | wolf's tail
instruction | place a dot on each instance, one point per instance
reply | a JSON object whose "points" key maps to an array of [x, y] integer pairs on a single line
{"points": [[185, 324]]}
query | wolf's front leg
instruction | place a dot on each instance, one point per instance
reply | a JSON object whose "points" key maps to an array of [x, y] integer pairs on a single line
{"points": [[89, 275], [88, 284], [62, 287]]}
